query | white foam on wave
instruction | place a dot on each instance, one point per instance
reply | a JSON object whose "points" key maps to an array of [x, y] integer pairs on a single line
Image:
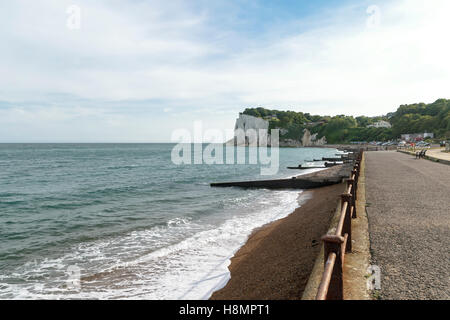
{"points": [[183, 260]]}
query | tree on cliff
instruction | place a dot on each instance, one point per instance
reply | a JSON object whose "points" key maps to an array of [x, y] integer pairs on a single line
{"points": [[414, 118]]}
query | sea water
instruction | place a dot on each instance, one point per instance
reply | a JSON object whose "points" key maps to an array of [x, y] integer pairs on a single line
{"points": [[121, 221]]}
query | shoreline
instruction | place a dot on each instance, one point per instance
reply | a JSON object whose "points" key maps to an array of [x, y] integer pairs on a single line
{"points": [[277, 258]]}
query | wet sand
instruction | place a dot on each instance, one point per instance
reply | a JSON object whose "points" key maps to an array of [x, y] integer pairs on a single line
{"points": [[277, 259]]}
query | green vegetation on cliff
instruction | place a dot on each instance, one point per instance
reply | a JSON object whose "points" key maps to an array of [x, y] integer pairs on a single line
{"points": [[414, 118], [421, 117]]}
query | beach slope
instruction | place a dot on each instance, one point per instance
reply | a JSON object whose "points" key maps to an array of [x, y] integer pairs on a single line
{"points": [[277, 259]]}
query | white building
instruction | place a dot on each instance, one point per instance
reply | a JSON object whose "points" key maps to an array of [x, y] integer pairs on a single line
{"points": [[380, 124]]}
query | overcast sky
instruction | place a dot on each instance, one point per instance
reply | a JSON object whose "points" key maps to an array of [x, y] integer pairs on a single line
{"points": [[136, 70]]}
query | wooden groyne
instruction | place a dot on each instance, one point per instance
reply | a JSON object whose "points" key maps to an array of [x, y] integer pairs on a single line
{"points": [[311, 181], [334, 159], [326, 165], [280, 183], [323, 178]]}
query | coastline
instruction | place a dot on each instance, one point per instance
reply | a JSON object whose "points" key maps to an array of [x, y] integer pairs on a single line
{"points": [[277, 259]]}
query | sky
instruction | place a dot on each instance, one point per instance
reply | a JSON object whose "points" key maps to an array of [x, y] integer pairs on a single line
{"points": [[138, 70]]}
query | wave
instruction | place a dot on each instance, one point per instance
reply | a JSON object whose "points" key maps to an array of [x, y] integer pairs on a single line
{"points": [[184, 259]]}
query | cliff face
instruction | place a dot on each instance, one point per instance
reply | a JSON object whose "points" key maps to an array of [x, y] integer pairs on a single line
{"points": [[246, 122], [309, 139]]}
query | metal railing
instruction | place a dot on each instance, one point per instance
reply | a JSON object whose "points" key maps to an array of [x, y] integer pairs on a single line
{"points": [[336, 245]]}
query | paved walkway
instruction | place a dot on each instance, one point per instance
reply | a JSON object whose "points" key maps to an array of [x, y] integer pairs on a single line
{"points": [[408, 206], [437, 153]]}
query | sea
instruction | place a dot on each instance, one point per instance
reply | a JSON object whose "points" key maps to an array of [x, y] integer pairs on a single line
{"points": [[122, 221]]}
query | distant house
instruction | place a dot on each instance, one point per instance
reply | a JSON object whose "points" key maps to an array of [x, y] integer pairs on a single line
{"points": [[380, 124], [313, 124], [417, 136]]}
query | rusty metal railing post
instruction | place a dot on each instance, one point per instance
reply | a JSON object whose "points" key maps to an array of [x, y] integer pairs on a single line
{"points": [[355, 174], [351, 182], [333, 244], [347, 226]]}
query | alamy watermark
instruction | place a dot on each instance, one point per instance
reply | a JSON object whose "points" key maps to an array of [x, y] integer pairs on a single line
{"points": [[373, 278], [73, 281], [73, 21], [263, 147], [374, 18]]}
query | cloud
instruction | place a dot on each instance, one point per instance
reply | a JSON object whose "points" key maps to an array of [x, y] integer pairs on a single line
{"points": [[148, 67]]}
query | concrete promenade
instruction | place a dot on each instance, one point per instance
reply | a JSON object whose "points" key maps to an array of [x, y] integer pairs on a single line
{"points": [[434, 154], [438, 154], [408, 207]]}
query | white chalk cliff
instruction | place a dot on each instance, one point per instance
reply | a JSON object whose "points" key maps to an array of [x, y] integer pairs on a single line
{"points": [[309, 139], [246, 122]]}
